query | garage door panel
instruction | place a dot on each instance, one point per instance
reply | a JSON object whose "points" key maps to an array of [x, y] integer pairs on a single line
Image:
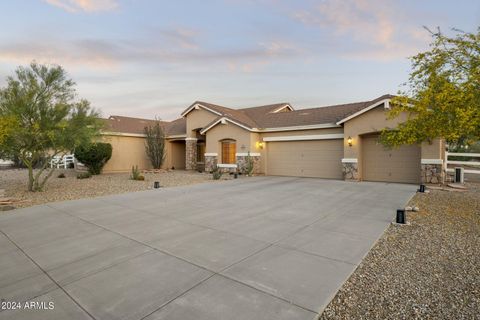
{"points": [[396, 165], [320, 158]]}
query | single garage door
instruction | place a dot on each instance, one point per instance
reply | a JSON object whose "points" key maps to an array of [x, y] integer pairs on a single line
{"points": [[396, 165], [318, 158]]}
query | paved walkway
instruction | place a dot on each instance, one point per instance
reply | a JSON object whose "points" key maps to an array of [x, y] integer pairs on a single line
{"points": [[253, 248]]}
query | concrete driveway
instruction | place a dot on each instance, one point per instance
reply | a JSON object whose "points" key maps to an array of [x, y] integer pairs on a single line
{"points": [[253, 248]]}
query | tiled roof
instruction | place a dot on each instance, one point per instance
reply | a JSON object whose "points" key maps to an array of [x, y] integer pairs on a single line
{"points": [[260, 117], [263, 116], [123, 124], [177, 127]]}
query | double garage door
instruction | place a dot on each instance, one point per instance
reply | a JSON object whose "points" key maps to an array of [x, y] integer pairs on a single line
{"points": [[317, 158]]}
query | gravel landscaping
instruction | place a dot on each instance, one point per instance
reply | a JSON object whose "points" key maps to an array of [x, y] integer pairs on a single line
{"points": [[429, 269], [14, 181]]}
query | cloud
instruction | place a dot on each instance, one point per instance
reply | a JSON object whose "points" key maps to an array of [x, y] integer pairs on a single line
{"points": [[84, 5], [379, 28], [168, 48]]}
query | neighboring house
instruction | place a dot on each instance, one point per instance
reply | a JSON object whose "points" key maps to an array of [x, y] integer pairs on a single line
{"points": [[334, 142]]}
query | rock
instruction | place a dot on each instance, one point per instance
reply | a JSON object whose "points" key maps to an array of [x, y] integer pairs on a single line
{"points": [[408, 208], [456, 186], [416, 209], [6, 208]]}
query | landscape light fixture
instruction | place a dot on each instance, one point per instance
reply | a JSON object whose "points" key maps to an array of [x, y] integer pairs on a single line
{"points": [[156, 184], [350, 141], [401, 217]]}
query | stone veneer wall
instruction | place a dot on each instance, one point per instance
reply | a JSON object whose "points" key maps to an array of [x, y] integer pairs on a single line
{"points": [[350, 171], [210, 163], [242, 164], [191, 154], [432, 173]]}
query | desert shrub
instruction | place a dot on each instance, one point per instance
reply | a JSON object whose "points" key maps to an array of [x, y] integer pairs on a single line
{"points": [[84, 175], [94, 156], [136, 174], [61, 175], [216, 173], [249, 165], [155, 144]]}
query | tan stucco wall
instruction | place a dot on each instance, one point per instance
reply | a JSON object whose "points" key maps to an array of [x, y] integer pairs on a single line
{"points": [[433, 150], [197, 119], [375, 120], [130, 151], [371, 121], [126, 152], [176, 156], [227, 131]]}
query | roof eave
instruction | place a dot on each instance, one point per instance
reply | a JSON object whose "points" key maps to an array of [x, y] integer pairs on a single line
{"points": [[219, 120], [195, 106], [362, 111]]}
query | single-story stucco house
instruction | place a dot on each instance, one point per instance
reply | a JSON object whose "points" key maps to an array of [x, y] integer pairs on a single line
{"points": [[334, 142]]}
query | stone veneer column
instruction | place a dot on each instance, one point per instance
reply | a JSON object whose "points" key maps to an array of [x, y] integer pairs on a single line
{"points": [[210, 162], [432, 173], [350, 169], [191, 154]]}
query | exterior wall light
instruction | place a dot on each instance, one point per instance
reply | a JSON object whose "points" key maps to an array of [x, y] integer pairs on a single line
{"points": [[350, 141], [260, 144]]}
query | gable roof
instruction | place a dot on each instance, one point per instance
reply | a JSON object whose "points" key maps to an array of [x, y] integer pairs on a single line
{"points": [[257, 119], [265, 118]]}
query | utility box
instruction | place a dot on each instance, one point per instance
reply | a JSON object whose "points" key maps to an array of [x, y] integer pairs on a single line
{"points": [[459, 173]]}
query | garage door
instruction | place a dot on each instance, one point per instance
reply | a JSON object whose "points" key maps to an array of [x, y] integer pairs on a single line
{"points": [[397, 165], [321, 158]]}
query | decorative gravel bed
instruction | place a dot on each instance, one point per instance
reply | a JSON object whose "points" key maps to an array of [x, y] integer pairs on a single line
{"points": [[429, 269], [14, 181]]}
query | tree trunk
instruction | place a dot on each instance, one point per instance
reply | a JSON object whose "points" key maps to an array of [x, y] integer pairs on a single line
{"points": [[37, 185], [31, 179]]}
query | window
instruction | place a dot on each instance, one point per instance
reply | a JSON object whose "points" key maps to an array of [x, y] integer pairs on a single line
{"points": [[228, 151], [201, 152]]}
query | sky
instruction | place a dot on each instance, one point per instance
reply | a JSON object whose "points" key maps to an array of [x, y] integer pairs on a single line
{"points": [[153, 58]]}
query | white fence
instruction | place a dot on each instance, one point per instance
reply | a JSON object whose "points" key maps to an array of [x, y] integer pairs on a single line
{"points": [[62, 161], [463, 163]]}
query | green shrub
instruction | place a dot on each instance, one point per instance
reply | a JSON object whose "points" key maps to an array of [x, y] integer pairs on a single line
{"points": [[61, 175], [136, 174], [84, 175], [216, 173], [94, 156]]}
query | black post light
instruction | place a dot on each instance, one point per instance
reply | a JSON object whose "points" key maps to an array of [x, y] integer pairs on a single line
{"points": [[156, 184], [401, 216]]}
